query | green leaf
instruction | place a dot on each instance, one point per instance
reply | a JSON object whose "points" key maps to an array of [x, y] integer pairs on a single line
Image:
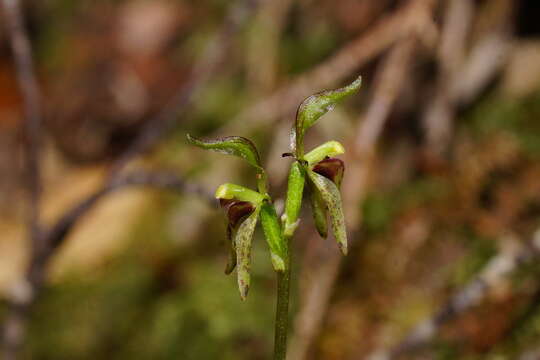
{"points": [[332, 198], [319, 212], [242, 242], [313, 108], [328, 149], [293, 203], [274, 236], [237, 192], [231, 145]]}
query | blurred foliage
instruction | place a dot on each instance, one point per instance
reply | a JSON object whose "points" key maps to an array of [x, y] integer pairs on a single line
{"points": [[163, 294], [155, 301], [518, 117]]}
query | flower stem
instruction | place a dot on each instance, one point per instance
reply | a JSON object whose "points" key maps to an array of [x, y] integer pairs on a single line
{"points": [[282, 311]]}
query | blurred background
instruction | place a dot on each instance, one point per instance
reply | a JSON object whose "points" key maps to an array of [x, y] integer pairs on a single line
{"points": [[441, 188]]}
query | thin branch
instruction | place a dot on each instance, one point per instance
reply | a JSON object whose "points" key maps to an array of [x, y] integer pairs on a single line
{"points": [[484, 62], [161, 180], [389, 83], [262, 61], [63, 226], [463, 75], [26, 78], [496, 270], [437, 119]]}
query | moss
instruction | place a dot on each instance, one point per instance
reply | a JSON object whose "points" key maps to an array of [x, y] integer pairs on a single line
{"points": [[519, 117]]}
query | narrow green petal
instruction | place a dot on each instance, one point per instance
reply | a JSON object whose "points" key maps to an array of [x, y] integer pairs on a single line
{"points": [[293, 203], [231, 261], [331, 196], [328, 149], [274, 236], [237, 192], [237, 211], [231, 145], [313, 108], [319, 212], [242, 241]]}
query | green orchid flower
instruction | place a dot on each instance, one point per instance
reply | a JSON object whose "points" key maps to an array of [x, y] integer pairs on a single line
{"points": [[319, 172]]}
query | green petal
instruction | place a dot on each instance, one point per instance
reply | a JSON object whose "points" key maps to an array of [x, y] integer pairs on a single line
{"points": [[313, 108], [231, 145], [293, 203], [242, 241], [274, 236], [237, 192], [331, 196], [319, 212], [231, 261], [328, 149]]}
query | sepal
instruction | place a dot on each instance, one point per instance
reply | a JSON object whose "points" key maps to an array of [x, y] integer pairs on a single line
{"points": [[315, 106], [332, 198], [231, 145]]}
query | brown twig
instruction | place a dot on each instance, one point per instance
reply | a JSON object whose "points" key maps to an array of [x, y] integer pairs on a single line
{"points": [[439, 112], [463, 74], [160, 180], [498, 268], [262, 61], [26, 78]]}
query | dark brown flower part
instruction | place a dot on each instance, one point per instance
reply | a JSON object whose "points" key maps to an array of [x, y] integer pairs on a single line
{"points": [[236, 210], [331, 168]]}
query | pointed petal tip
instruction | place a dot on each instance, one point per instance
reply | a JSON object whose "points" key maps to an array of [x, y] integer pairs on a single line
{"points": [[229, 269], [322, 234], [343, 248], [356, 83], [277, 262], [244, 292], [221, 192], [243, 284], [338, 148]]}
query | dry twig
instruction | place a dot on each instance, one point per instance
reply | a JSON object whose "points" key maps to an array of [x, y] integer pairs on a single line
{"points": [[22, 55], [510, 258], [439, 112]]}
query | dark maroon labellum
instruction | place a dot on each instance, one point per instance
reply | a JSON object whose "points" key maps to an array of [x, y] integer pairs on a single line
{"points": [[331, 168], [236, 210]]}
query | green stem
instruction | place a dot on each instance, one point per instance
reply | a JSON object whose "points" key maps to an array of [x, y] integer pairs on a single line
{"points": [[282, 311]]}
